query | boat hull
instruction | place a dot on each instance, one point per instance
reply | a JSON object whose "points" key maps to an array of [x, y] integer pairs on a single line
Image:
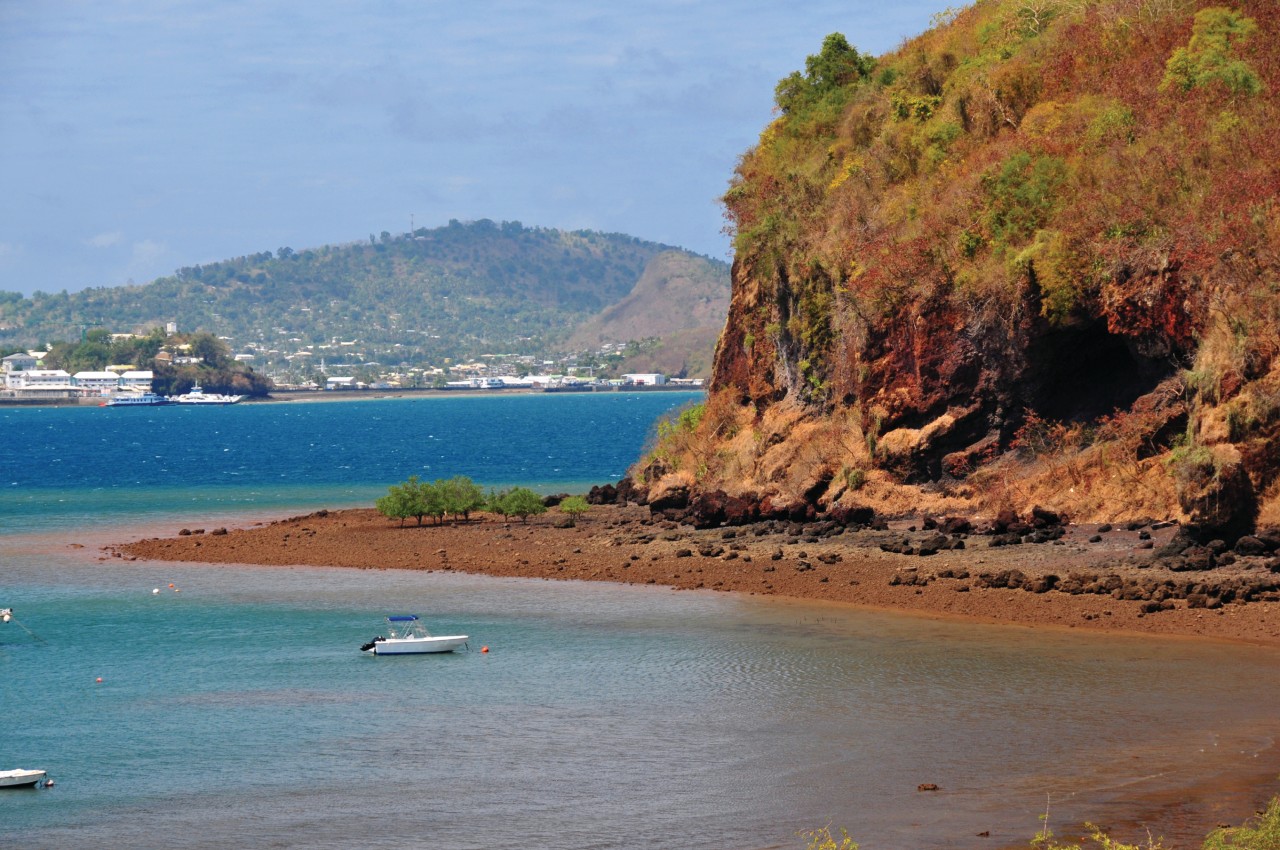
{"points": [[418, 646], [20, 778]]}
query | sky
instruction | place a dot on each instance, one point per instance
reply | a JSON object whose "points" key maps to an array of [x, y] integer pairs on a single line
{"points": [[140, 137]]}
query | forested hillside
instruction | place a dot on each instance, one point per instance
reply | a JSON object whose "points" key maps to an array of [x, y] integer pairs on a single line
{"points": [[453, 292], [1028, 257]]}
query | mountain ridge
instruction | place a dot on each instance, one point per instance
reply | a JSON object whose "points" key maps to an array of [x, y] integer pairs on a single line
{"points": [[433, 296]]}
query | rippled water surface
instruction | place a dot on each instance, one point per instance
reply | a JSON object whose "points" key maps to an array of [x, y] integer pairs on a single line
{"points": [[236, 710]]}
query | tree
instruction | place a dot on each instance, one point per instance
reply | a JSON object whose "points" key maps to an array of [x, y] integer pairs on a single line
{"points": [[572, 507], [522, 502], [208, 348], [1209, 56], [837, 66], [404, 500], [460, 496]]}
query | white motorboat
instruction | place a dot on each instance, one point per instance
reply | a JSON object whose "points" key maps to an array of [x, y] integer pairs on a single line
{"points": [[197, 395], [21, 778], [406, 635]]}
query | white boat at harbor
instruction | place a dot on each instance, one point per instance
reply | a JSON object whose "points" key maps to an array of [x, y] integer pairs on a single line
{"points": [[197, 395], [135, 400], [21, 778], [406, 635]]}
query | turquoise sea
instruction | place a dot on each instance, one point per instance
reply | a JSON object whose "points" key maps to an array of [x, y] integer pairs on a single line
{"points": [[235, 710]]}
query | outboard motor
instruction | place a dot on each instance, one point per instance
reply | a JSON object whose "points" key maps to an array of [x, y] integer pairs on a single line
{"points": [[368, 646]]}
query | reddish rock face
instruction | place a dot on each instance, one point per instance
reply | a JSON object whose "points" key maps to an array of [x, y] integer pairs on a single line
{"points": [[953, 263], [984, 372]]}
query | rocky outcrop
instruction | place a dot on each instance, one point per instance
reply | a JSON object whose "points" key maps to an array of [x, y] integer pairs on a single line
{"points": [[932, 290]]}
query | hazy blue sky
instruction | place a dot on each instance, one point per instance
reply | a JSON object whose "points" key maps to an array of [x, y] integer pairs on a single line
{"points": [[138, 137]]}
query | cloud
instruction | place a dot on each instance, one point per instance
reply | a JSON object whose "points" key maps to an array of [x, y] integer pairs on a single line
{"points": [[105, 240], [147, 252]]}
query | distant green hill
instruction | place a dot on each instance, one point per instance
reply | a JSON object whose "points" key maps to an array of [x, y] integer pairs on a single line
{"points": [[450, 293]]}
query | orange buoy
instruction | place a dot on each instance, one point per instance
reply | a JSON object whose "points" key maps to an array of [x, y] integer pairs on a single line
{"points": [[484, 649], [171, 584], [99, 679]]}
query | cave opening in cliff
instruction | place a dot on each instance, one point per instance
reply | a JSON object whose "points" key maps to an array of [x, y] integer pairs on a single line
{"points": [[1081, 373]]}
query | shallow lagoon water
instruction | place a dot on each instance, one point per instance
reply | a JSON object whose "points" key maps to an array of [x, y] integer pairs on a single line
{"points": [[236, 710]]}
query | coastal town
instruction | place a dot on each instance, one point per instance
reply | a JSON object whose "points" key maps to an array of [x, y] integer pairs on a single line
{"points": [[27, 381]]}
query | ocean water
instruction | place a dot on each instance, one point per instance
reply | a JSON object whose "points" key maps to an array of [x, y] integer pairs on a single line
{"points": [[89, 465], [235, 710]]}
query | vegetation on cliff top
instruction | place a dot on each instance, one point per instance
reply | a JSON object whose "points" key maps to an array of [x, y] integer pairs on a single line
{"points": [[1053, 211]]}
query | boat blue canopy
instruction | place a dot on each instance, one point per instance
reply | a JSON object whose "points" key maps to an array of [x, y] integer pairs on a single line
{"points": [[402, 618]]}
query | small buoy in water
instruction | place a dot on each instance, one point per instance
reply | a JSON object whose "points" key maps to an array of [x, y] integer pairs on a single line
{"points": [[484, 649], [177, 590], [98, 680], [170, 584], [156, 590], [48, 783]]}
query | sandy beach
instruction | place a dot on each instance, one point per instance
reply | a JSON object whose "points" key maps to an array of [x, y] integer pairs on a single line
{"points": [[1088, 579]]}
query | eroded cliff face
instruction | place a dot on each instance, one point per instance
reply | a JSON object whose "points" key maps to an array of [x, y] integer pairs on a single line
{"points": [[1013, 263]]}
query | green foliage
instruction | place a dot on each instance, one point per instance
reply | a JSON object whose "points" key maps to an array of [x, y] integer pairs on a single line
{"points": [[916, 107], [1044, 840], [1210, 55], [573, 507], [459, 496], [822, 839], [1191, 463], [519, 502], [1022, 194], [1050, 261], [1258, 833], [825, 77], [411, 498], [682, 421]]}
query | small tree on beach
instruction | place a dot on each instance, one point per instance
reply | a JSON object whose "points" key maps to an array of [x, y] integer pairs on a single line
{"points": [[460, 496], [522, 502], [572, 507], [404, 500]]}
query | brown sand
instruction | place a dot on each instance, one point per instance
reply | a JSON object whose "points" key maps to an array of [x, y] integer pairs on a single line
{"points": [[624, 544]]}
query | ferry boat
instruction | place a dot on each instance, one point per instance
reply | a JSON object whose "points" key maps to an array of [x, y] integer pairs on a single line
{"points": [[135, 400], [197, 395]]}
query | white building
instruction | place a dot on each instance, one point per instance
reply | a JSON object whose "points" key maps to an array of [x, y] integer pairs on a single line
{"points": [[40, 383], [645, 379], [96, 383], [137, 381], [20, 362]]}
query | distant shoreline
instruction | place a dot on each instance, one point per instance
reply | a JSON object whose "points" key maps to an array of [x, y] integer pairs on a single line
{"points": [[290, 396]]}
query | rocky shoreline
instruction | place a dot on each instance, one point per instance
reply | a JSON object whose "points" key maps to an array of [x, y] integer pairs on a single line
{"points": [[1038, 570]]}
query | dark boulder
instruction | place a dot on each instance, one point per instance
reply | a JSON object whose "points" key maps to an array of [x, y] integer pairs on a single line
{"points": [[852, 515], [955, 525], [602, 494], [1250, 545], [675, 499]]}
